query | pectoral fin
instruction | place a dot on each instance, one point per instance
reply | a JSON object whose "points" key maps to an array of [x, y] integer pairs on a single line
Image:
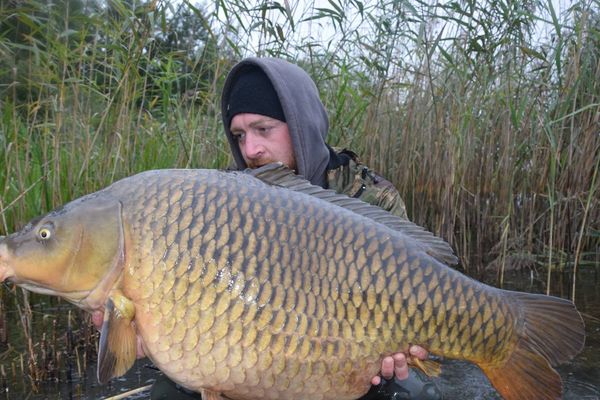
{"points": [[210, 395], [117, 340], [429, 367]]}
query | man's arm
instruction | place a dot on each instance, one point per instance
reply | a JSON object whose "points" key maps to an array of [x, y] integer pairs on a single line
{"points": [[354, 179]]}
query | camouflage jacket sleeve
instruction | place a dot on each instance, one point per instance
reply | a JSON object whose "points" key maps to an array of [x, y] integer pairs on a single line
{"points": [[356, 180]]}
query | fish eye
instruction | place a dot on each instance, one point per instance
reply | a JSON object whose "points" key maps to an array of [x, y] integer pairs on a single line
{"points": [[44, 233]]}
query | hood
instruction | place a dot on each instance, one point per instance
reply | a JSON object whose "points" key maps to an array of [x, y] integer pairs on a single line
{"points": [[304, 113]]}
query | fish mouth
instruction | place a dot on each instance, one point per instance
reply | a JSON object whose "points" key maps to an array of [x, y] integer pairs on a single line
{"points": [[6, 271]]}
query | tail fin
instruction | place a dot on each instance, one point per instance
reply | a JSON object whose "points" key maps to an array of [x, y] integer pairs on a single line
{"points": [[551, 332]]}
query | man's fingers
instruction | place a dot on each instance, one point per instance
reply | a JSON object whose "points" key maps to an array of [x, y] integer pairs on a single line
{"points": [[376, 380], [400, 366], [387, 371], [419, 352], [98, 319], [397, 365], [387, 367]]}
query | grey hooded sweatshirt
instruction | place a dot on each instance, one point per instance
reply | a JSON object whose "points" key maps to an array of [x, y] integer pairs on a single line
{"points": [[304, 113]]}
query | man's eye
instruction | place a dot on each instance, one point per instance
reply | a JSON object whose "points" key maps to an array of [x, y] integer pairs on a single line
{"points": [[239, 136]]}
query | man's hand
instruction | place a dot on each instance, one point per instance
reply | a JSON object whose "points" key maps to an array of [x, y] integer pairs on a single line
{"points": [[396, 364], [98, 319]]}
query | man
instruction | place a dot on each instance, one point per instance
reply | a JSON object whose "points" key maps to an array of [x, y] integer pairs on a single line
{"points": [[272, 113], [250, 101]]}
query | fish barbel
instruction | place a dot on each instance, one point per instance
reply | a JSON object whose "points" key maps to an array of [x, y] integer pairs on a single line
{"points": [[261, 286]]}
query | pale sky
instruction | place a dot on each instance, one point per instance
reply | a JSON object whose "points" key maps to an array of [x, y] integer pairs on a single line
{"points": [[322, 30]]}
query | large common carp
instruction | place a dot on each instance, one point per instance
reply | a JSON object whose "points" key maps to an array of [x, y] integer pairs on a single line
{"points": [[261, 286]]}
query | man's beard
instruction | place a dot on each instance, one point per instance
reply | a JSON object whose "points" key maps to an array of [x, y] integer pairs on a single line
{"points": [[258, 163]]}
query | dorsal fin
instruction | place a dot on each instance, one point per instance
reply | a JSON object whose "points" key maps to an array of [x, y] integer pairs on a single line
{"points": [[279, 175]]}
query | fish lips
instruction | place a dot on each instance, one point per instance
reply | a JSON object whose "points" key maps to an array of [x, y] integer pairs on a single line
{"points": [[5, 270]]}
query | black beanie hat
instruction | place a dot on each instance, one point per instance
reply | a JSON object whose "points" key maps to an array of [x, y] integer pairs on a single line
{"points": [[253, 92]]}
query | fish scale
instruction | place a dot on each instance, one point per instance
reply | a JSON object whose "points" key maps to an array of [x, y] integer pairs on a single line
{"points": [[269, 241], [271, 288]]}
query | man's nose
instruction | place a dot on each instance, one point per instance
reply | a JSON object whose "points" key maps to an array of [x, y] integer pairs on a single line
{"points": [[253, 147]]}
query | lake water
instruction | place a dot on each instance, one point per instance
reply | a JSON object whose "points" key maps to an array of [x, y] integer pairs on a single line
{"points": [[459, 380], [581, 377]]}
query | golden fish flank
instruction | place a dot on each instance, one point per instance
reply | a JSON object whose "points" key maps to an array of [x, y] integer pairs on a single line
{"points": [[260, 286]]}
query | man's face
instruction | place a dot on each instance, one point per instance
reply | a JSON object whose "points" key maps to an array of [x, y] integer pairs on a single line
{"points": [[263, 140]]}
